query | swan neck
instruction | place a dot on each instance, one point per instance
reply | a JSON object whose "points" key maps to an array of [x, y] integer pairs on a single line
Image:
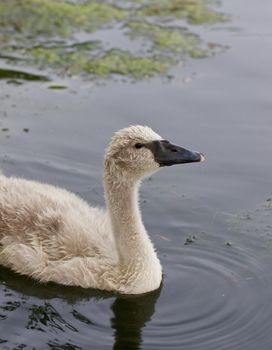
{"points": [[138, 261], [131, 238], [123, 207]]}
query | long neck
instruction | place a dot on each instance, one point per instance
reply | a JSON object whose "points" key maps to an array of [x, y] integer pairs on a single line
{"points": [[132, 241]]}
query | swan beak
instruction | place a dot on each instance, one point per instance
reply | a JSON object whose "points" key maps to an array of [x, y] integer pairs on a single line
{"points": [[167, 154]]}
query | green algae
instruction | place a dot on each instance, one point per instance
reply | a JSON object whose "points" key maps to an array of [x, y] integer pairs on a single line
{"points": [[194, 11], [20, 75], [47, 34], [65, 59], [169, 39], [122, 62], [110, 62], [55, 17], [57, 87]]}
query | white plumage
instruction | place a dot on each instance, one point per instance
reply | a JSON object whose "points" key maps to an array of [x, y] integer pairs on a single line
{"points": [[51, 234]]}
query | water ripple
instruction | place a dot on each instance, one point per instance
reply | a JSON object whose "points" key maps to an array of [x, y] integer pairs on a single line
{"points": [[221, 300]]}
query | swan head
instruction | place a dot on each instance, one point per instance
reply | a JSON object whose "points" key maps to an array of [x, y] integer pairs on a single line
{"points": [[138, 151]]}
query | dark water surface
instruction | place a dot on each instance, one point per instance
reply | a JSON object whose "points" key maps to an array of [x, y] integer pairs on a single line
{"points": [[217, 290]]}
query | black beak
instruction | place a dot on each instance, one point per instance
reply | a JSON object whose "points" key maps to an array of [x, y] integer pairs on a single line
{"points": [[167, 154]]}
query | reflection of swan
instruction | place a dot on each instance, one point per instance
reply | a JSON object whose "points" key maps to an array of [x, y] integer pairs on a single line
{"points": [[44, 314], [130, 317], [52, 235]]}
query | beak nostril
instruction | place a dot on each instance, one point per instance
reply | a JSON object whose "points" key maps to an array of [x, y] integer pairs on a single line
{"points": [[174, 150]]}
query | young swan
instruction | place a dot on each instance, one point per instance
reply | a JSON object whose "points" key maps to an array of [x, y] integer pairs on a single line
{"points": [[51, 234]]}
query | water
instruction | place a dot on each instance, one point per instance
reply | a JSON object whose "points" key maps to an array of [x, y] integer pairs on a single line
{"points": [[216, 292]]}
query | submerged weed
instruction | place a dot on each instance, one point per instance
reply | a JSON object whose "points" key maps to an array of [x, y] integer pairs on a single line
{"points": [[194, 11], [55, 18], [50, 33], [170, 39]]}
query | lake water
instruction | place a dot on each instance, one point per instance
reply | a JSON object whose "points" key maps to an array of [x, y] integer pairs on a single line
{"points": [[217, 289]]}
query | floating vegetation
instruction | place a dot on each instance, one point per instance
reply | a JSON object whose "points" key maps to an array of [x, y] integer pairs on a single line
{"points": [[48, 34], [254, 225], [57, 87], [169, 39], [122, 62], [107, 63], [55, 18], [190, 240], [65, 59], [193, 11], [15, 74]]}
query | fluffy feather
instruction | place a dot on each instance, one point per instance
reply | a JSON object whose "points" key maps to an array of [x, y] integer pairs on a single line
{"points": [[51, 234]]}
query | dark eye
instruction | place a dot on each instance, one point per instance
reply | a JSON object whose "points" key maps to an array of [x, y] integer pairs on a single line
{"points": [[139, 145]]}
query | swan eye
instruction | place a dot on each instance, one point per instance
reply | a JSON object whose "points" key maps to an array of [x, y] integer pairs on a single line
{"points": [[139, 145]]}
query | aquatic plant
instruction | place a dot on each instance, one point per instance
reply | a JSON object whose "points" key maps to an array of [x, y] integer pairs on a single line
{"points": [[48, 34], [55, 17], [170, 39], [108, 62], [194, 11]]}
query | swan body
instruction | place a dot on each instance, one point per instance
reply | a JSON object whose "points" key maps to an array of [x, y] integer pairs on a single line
{"points": [[51, 234]]}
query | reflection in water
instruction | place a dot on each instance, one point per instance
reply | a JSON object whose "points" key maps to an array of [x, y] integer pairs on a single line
{"points": [[130, 313], [130, 316], [220, 297], [46, 315], [54, 345]]}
